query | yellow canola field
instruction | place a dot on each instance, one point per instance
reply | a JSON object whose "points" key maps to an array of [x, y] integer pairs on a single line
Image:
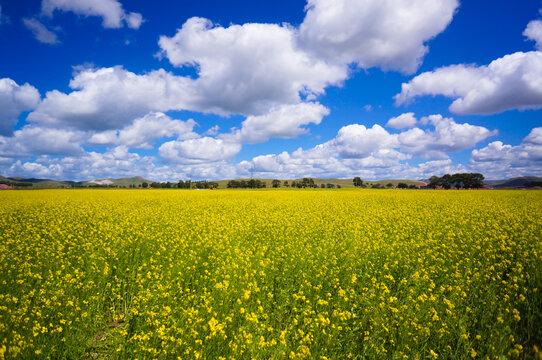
{"points": [[292, 274]]}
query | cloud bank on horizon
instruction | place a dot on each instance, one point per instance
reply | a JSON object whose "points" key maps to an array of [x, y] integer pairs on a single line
{"points": [[210, 101]]}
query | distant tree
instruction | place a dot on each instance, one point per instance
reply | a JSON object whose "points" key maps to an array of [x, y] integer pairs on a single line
{"points": [[412, 186], [477, 180], [285, 184], [144, 185], [322, 186], [389, 185], [358, 182], [338, 186], [446, 181], [330, 186], [275, 183], [307, 182], [465, 180], [434, 181], [376, 186], [402, 185]]}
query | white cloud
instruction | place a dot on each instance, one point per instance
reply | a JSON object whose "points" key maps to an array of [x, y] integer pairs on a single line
{"points": [[357, 141], [247, 69], [282, 122], [533, 31], [202, 150], [498, 160], [110, 11], [110, 98], [37, 141], [133, 20], [406, 120], [534, 137], [212, 131], [448, 136], [375, 33], [41, 33], [143, 131], [511, 82], [14, 99]]}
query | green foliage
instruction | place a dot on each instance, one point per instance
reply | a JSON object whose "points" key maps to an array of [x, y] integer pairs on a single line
{"points": [[460, 180]]}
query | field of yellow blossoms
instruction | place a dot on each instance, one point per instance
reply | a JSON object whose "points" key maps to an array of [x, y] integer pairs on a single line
{"points": [[287, 274]]}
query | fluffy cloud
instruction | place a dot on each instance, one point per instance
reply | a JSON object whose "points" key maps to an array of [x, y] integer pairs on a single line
{"points": [[36, 141], [110, 98], [375, 153], [448, 136], [511, 82], [14, 99], [406, 120], [357, 141], [117, 162], [375, 33], [247, 69], [372, 144], [202, 150], [498, 160], [143, 131], [282, 122], [533, 31], [110, 11], [534, 137]]}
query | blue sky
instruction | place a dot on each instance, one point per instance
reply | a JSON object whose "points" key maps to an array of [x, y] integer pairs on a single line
{"points": [[210, 89]]}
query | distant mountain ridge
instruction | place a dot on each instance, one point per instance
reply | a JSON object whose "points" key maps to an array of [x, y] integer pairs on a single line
{"points": [[54, 184], [513, 182]]}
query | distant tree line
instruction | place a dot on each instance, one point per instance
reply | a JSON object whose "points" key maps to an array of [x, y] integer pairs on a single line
{"points": [[15, 183], [459, 180], [188, 184], [360, 184], [246, 184]]}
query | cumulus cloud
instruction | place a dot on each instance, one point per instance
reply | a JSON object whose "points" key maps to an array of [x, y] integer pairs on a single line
{"points": [[205, 149], [511, 82], [498, 160], [14, 99], [448, 136], [357, 141], [37, 141], [111, 11], [375, 33], [144, 130], [406, 120], [110, 98], [282, 122], [533, 31], [116, 162], [247, 69], [41, 33]]}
